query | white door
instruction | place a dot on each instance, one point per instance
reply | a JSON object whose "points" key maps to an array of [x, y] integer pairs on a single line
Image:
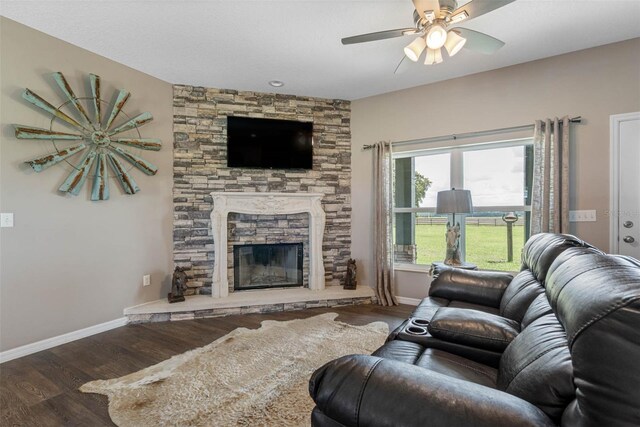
{"points": [[625, 178]]}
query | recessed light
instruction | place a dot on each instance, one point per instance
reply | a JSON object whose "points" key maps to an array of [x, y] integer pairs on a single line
{"points": [[276, 83]]}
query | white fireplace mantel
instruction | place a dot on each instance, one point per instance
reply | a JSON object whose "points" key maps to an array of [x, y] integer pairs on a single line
{"points": [[266, 204]]}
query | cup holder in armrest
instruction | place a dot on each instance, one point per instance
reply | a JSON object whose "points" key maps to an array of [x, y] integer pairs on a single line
{"points": [[423, 323], [416, 330]]}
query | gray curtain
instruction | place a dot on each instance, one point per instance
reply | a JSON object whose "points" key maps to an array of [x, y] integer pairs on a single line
{"points": [[383, 223], [550, 192]]}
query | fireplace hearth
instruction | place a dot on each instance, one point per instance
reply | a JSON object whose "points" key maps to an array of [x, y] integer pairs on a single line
{"points": [[267, 266]]}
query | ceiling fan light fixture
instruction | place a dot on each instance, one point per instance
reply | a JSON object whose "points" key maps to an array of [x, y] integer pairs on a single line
{"points": [[415, 48], [436, 36], [434, 56], [454, 43]]}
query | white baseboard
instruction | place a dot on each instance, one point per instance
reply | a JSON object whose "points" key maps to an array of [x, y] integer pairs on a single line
{"points": [[35, 347], [409, 301]]}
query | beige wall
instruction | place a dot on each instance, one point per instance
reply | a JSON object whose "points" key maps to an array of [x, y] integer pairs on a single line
{"points": [[70, 263], [593, 83]]}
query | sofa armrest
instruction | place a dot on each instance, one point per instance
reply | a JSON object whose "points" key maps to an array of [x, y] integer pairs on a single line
{"points": [[360, 390], [473, 328], [476, 287]]}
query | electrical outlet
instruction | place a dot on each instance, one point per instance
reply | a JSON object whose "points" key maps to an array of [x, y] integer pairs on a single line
{"points": [[146, 280], [6, 220], [582, 216]]}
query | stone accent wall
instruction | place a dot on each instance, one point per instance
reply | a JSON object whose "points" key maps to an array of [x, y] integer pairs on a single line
{"points": [[199, 167]]}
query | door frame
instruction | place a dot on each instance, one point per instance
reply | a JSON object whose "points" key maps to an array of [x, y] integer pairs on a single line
{"points": [[614, 177]]}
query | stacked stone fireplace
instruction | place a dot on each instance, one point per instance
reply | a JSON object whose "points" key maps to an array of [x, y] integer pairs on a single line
{"points": [[200, 167]]}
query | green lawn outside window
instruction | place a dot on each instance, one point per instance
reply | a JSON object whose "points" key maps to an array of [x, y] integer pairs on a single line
{"points": [[486, 245]]}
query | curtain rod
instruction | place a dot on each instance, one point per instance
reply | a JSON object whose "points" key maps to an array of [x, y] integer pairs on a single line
{"points": [[577, 119]]}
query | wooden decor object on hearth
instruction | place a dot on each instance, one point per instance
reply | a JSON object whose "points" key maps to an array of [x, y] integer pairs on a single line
{"points": [[350, 281], [178, 285]]}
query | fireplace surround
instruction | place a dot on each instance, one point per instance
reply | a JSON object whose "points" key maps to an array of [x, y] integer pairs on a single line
{"points": [[266, 203]]}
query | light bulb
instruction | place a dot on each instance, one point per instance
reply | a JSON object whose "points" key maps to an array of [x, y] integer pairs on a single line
{"points": [[436, 36], [415, 48], [454, 43], [434, 56]]}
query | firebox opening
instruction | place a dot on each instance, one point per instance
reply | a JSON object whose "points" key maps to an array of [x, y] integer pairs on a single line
{"points": [[267, 266]]}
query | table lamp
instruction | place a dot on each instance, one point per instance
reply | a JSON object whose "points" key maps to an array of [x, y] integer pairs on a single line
{"points": [[452, 202]]}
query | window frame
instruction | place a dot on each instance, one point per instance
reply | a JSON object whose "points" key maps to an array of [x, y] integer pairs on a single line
{"points": [[456, 181]]}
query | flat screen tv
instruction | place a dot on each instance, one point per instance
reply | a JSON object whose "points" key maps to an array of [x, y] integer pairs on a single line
{"points": [[269, 143]]}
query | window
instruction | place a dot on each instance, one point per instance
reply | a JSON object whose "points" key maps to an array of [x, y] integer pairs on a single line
{"points": [[499, 178]]}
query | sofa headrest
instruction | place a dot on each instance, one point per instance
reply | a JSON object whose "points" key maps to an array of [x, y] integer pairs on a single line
{"points": [[596, 298], [543, 248]]}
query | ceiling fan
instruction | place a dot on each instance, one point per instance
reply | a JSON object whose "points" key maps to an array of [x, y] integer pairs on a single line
{"points": [[433, 20]]}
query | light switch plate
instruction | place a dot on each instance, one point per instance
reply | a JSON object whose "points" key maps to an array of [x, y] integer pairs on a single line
{"points": [[146, 280], [582, 216], [6, 220]]}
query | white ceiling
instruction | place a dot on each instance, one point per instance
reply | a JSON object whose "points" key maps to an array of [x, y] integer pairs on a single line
{"points": [[238, 44]]}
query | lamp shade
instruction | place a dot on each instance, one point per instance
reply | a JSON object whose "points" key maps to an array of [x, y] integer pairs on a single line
{"points": [[415, 48], [436, 36], [454, 201], [454, 43], [434, 56]]}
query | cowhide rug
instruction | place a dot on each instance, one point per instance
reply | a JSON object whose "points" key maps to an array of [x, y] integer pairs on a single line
{"points": [[249, 377]]}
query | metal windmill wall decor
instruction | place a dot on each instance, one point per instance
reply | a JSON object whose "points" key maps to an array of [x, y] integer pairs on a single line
{"points": [[95, 135]]}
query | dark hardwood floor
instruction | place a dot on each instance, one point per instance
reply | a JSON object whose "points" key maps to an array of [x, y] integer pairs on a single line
{"points": [[42, 389]]}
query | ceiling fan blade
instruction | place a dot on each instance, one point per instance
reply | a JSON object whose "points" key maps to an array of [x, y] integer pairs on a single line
{"points": [[422, 5], [380, 35], [480, 42], [476, 8]]}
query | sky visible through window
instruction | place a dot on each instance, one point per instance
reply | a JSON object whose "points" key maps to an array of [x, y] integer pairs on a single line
{"points": [[437, 169], [494, 176]]}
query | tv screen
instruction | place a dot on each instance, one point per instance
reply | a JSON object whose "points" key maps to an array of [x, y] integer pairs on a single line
{"points": [[269, 143]]}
